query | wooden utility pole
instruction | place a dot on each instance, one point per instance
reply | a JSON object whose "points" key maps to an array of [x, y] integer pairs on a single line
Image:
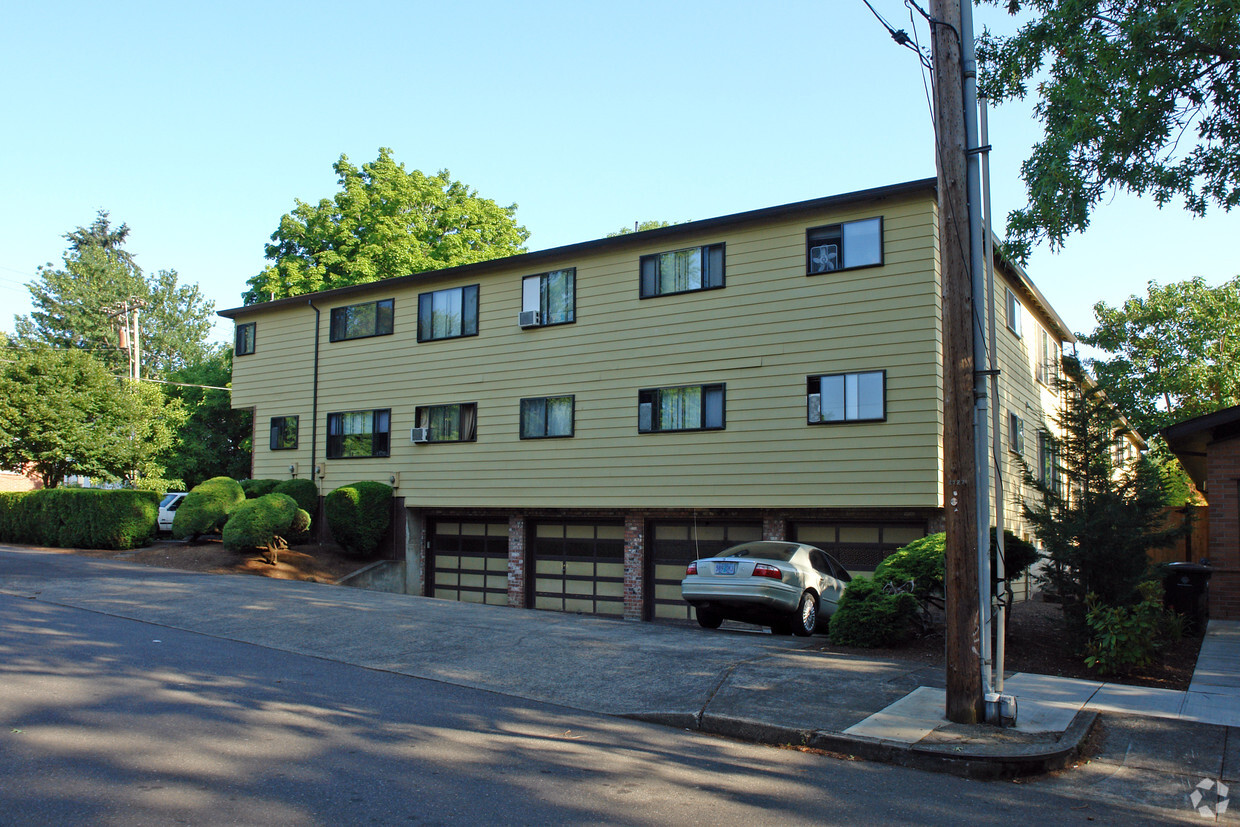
{"points": [[964, 669]]}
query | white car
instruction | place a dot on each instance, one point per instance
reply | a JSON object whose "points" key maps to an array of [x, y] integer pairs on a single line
{"points": [[168, 508], [790, 587]]}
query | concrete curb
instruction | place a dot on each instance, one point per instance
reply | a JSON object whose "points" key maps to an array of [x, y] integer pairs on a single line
{"points": [[977, 761]]}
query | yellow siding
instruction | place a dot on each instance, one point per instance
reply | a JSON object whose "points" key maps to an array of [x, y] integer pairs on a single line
{"points": [[762, 334]]}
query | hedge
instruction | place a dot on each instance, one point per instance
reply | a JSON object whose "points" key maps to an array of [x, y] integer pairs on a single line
{"points": [[358, 515], [79, 517], [206, 508], [257, 488], [304, 491]]}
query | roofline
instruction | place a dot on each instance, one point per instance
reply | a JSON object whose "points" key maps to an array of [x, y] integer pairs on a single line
{"points": [[1188, 427], [1032, 292], [747, 217]]}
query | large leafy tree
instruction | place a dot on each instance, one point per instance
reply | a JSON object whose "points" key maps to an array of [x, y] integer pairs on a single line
{"points": [[64, 412], [1172, 354], [385, 221], [77, 304], [215, 440], [1136, 95]]}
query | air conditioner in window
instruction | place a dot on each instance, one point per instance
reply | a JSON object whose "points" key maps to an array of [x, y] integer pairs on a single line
{"points": [[814, 403], [420, 435], [528, 318]]}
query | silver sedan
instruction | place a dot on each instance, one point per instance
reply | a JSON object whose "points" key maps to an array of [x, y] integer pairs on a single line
{"points": [[791, 587]]}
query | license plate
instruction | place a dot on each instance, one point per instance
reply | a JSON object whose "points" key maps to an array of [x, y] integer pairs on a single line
{"points": [[725, 568]]}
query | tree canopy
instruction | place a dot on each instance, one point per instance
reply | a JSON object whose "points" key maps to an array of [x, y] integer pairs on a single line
{"points": [[63, 412], [78, 304], [384, 222], [215, 440], [1173, 353], [1136, 95], [640, 226]]}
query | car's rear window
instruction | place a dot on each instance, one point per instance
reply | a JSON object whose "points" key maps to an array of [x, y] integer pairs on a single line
{"points": [[767, 551]]}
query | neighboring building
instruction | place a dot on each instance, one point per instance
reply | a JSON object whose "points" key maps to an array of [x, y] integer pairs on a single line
{"points": [[567, 428], [21, 480], [1209, 449]]}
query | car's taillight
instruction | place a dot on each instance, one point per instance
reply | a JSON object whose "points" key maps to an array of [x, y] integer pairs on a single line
{"points": [[763, 570], [692, 568]]}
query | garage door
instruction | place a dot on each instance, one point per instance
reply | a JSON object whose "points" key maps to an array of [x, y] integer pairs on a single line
{"points": [[859, 547], [578, 568], [469, 562], [672, 547]]}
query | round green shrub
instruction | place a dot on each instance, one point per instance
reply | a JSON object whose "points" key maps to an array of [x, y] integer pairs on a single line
{"points": [[206, 507], [255, 524], [358, 515], [257, 488], [304, 491], [1018, 554], [871, 617], [921, 561]]}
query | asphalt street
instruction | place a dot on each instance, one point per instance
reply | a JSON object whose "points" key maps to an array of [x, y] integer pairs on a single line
{"points": [[111, 720]]}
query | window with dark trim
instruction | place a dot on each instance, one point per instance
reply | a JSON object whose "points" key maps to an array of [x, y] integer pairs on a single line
{"points": [[448, 314], [846, 397], [448, 423], [552, 295], [1013, 312], [1048, 464], [682, 271], [689, 408], [244, 345], [1046, 369], [360, 321], [1016, 433], [547, 416], [283, 433], [844, 246], [359, 433]]}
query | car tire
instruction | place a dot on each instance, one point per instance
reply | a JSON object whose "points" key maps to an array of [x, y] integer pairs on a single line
{"points": [[709, 618], [783, 627], [806, 619]]}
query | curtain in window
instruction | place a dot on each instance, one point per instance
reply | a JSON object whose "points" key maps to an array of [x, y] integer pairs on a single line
{"points": [[533, 417], [469, 421], [445, 423], [557, 296], [680, 408], [560, 416], [445, 313], [681, 270]]}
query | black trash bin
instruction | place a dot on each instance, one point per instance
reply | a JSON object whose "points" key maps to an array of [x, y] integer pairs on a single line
{"points": [[1186, 590]]}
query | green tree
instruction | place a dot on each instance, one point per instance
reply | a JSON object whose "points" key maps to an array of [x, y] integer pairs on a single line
{"points": [[76, 305], [385, 222], [63, 412], [1138, 95], [640, 227], [215, 441], [1097, 521]]}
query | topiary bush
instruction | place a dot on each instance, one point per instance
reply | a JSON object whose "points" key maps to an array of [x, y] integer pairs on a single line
{"points": [[873, 614], [257, 488], [305, 492], [79, 517], [206, 508], [358, 515], [260, 523]]}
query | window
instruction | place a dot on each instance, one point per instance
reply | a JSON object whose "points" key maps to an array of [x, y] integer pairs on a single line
{"points": [[844, 246], [1013, 313], [358, 434], [548, 416], [245, 340], [283, 433], [1047, 368], [682, 271], [448, 314], [359, 321], [1016, 434], [553, 295], [1048, 465], [847, 397], [693, 408], [449, 423]]}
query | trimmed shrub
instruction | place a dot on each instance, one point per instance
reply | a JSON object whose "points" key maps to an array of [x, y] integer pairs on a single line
{"points": [[358, 514], [79, 517], [873, 614], [920, 562], [206, 508], [1123, 638], [304, 491], [257, 488], [256, 523]]}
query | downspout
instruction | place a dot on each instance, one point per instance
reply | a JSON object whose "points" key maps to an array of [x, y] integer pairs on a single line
{"points": [[314, 404]]}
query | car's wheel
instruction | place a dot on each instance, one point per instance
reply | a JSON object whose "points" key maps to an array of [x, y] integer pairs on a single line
{"points": [[709, 618], [807, 615], [781, 627]]}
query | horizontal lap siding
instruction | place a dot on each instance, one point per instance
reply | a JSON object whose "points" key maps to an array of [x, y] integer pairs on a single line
{"points": [[761, 335]]}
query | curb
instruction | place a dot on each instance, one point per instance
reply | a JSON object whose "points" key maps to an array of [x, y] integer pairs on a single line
{"points": [[977, 761]]}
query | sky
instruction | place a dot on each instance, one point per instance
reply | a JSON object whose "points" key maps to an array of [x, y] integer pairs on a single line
{"points": [[199, 125]]}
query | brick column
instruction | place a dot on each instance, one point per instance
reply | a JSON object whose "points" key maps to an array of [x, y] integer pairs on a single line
{"points": [[516, 561], [634, 567], [774, 528], [1223, 485]]}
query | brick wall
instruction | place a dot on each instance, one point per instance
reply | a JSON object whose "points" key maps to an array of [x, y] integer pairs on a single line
{"points": [[774, 528], [516, 561], [634, 566], [1223, 487]]}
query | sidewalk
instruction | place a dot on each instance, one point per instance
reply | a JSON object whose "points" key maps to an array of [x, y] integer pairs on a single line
{"points": [[741, 684]]}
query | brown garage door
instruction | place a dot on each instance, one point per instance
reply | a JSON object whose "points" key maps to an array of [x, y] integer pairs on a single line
{"points": [[672, 546], [469, 562], [578, 567], [859, 547]]}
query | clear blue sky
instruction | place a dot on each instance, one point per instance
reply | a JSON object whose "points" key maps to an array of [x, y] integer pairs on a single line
{"points": [[199, 124]]}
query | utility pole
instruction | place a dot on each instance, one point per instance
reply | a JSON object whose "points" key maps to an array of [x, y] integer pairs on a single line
{"points": [[965, 701]]}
